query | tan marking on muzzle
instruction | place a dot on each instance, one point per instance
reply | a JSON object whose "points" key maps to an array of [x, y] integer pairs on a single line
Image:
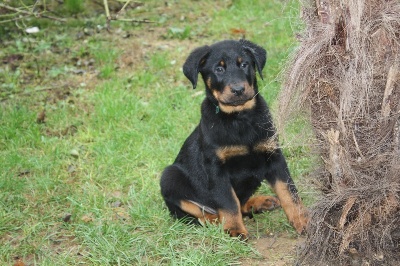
{"points": [[227, 96], [239, 108]]}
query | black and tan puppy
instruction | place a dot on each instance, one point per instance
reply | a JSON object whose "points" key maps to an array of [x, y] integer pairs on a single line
{"points": [[233, 149]]}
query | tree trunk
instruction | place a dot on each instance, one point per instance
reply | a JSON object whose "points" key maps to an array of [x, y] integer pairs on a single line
{"points": [[346, 72]]}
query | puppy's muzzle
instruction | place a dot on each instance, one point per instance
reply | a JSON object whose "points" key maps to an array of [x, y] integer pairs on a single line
{"points": [[237, 90]]}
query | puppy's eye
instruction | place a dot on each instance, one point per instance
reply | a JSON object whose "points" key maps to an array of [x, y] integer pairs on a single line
{"points": [[219, 69], [244, 65]]}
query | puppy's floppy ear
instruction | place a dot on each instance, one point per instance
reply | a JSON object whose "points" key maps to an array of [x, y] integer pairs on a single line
{"points": [[192, 65], [257, 52]]}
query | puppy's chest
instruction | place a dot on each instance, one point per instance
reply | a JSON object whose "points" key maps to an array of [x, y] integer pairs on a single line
{"points": [[227, 153]]}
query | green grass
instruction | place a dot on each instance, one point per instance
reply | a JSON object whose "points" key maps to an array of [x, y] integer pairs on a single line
{"points": [[131, 119]]}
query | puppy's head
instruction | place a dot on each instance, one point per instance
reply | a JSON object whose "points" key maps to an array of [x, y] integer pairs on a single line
{"points": [[229, 71]]}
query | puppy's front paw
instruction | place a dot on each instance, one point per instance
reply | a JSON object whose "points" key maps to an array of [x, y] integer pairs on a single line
{"points": [[267, 203], [242, 234], [259, 204], [300, 221], [233, 224]]}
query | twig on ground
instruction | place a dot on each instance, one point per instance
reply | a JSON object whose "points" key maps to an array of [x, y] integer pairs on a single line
{"points": [[8, 96], [116, 17], [27, 13]]}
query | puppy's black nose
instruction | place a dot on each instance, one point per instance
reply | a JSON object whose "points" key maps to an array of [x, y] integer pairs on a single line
{"points": [[237, 90]]}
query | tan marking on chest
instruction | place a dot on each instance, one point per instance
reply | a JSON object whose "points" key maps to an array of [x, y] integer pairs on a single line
{"points": [[268, 145], [227, 152]]}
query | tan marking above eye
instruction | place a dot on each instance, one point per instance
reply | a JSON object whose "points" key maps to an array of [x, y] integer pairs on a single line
{"points": [[268, 145], [222, 63], [227, 152], [240, 60]]}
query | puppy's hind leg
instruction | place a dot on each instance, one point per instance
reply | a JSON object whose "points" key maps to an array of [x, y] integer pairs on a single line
{"points": [[179, 196]]}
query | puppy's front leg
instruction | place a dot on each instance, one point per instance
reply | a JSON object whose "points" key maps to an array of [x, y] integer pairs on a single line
{"points": [[291, 204], [286, 191], [231, 217]]}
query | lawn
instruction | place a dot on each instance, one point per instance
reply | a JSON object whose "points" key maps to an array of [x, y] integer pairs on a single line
{"points": [[89, 118]]}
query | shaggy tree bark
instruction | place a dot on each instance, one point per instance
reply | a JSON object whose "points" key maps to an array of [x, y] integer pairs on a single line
{"points": [[346, 73]]}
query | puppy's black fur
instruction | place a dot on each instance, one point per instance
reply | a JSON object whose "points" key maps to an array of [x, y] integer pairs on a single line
{"points": [[233, 149]]}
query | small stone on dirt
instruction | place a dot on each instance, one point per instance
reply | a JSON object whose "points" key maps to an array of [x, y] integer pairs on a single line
{"points": [[67, 217]]}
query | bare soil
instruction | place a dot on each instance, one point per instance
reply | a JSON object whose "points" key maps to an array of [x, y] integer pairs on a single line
{"points": [[277, 250]]}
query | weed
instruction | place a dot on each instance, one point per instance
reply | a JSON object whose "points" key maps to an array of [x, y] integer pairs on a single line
{"points": [[179, 33], [74, 6]]}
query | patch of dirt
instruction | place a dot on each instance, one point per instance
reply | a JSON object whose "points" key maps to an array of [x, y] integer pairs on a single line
{"points": [[277, 250]]}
